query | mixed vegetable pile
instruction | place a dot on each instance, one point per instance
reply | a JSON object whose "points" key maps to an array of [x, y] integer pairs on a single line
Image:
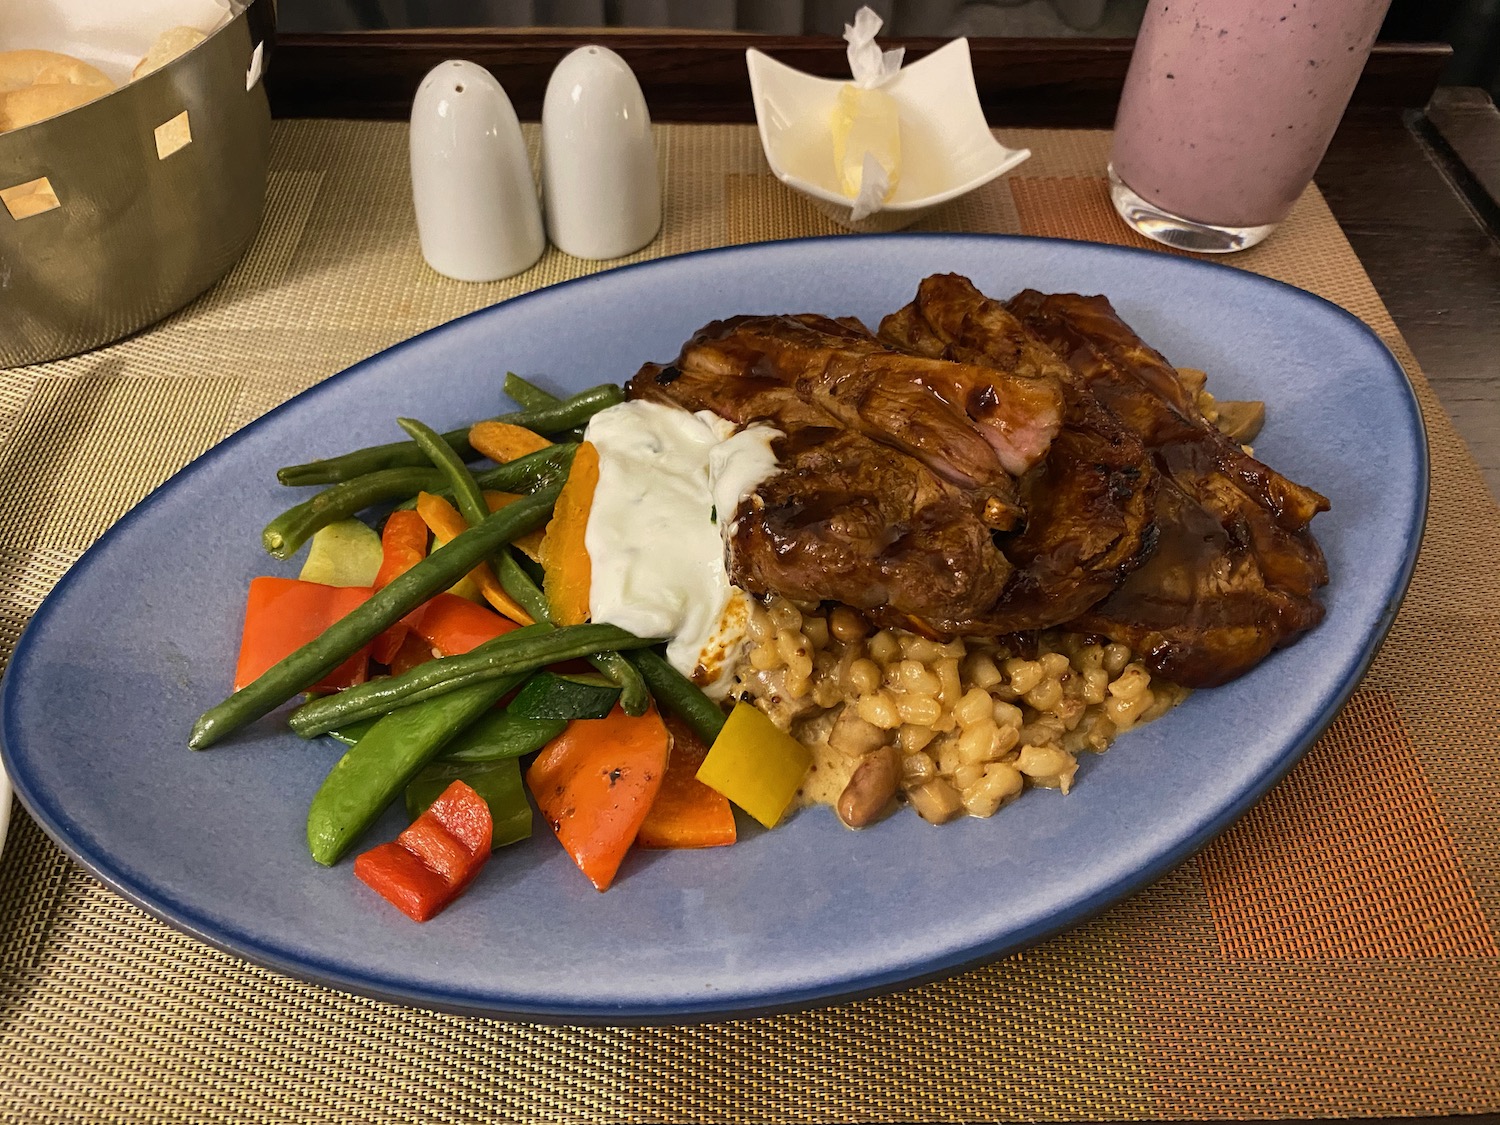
{"points": [[453, 645]]}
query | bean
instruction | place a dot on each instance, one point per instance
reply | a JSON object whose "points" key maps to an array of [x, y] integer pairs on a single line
{"points": [[871, 788], [678, 694]]}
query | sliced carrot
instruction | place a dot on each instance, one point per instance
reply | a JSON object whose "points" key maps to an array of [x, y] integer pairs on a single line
{"points": [[446, 523], [455, 625], [529, 544], [403, 544], [594, 784], [566, 569], [686, 813], [501, 441]]}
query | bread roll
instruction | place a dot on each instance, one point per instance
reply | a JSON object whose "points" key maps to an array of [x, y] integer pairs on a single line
{"points": [[35, 85], [168, 46]]}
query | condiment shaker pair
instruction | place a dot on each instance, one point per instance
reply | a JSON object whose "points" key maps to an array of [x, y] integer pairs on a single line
{"points": [[478, 216]]}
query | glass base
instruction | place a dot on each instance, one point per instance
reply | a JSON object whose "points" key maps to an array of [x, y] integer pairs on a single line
{"points": [[1173, 230]]}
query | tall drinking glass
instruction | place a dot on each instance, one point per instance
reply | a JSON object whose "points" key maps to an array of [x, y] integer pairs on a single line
{"points": [[1227, 109]]}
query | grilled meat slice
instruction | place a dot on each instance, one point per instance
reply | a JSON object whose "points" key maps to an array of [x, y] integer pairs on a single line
{"points": [[1088, 505], [854, 521], [796, 371], [1019, 399], [1235, 566]]}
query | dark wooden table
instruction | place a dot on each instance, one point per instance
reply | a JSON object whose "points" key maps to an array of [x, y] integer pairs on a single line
{"points": [[1413, 174]]}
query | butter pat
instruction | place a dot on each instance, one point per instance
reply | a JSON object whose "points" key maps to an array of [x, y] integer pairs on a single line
{"points": [[866, 121]]}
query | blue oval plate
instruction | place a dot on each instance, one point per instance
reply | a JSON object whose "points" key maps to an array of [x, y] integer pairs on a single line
{"points": [[140, 637]]}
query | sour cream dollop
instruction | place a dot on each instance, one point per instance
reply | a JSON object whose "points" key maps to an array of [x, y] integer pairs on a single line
{"points": [[669, 484]]}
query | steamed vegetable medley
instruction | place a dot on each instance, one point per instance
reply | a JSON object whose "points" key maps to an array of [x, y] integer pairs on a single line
{"points": [[455, 653]]}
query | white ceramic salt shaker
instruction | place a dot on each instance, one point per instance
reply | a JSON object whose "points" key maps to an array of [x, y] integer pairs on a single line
{"points": [[478, 216], [600, 184]]}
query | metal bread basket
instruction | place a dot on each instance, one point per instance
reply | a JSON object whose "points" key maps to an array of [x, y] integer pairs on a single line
{"points": [[151, 194]]}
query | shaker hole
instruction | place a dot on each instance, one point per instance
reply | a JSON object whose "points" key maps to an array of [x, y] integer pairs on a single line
{"points": [[34, 197], [459, 89], [173, 135]]}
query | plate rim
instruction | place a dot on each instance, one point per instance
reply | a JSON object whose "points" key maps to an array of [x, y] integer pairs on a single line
{"points": [[791, 999]]}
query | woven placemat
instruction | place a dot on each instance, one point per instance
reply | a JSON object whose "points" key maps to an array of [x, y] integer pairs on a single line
{"points": [[1332, 954]]}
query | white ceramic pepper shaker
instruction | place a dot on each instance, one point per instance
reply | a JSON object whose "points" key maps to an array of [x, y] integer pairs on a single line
{"points": [[477, 211], [600, 183]]}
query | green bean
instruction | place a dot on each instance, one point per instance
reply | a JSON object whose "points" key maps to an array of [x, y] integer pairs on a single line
{"points": [[377, 767], [524, 474], [528, 396], [545, 420], [635, 697], [679, 694], [466, 492], [284, 535], [317, 658], [522, 650]]}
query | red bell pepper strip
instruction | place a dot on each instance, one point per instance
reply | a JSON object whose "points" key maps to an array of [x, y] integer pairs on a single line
{"points": [[283, 614], [403, 544], [431, 863], [686, 813], [594, 784], [455, 625]]}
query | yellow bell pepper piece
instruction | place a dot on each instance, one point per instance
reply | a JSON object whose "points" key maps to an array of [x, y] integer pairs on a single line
{"points": [[755, 764]]}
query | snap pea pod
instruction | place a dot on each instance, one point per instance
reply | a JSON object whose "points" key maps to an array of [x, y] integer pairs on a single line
{"points": [[566, 415], [317, 658], [528, 395], [679, 694], [500, 734], [522, 650], [377, 767]]}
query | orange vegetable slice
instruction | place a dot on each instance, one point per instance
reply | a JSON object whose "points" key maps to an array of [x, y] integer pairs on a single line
{"points": [[566, 570], [447, 523], [501, 441], [529, 544], [595, 783], [686, 813]]}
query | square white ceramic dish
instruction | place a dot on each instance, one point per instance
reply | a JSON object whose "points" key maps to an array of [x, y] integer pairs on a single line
{"points": [[947, 149]]}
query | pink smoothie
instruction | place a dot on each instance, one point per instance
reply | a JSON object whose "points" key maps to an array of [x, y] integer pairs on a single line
{"points": [[1230, 104]]}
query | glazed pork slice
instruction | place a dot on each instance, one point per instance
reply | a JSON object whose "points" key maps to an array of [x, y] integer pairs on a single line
{"points": [[886, 496], [1088, 504], [797, 371], [1235, 567], [850, 520]]}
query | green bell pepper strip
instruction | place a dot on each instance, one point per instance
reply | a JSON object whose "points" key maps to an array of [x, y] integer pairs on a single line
{"points": [[498, 782]]}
